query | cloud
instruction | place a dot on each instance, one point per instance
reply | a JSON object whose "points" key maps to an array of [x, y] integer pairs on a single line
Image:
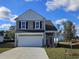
{"points": [[13, 18], [6, 13], [68, 5], [61, 21], [5, 26]]}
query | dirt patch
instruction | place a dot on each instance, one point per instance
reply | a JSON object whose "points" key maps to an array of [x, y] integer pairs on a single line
{"points": [[7, 45], [72, 53]]}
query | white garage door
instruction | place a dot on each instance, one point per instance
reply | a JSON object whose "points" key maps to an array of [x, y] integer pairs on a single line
{"points": [[30, 40]]}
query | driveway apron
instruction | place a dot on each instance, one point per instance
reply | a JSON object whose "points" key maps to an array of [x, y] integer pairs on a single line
{"points": [[25, 53]]}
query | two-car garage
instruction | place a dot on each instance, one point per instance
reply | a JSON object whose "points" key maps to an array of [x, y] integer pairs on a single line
{"points": [[29, 39]]}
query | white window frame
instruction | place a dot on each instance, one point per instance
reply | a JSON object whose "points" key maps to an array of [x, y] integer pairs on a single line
{"points": [[36, 25], [21, 25]]}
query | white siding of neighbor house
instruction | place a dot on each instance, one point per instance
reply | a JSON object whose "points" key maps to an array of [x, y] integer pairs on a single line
{"points": [[1, 38], [30, 15], [77, 30]]}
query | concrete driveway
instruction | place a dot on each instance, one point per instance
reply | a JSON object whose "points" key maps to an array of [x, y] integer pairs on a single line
{"points": [[25, 53]]}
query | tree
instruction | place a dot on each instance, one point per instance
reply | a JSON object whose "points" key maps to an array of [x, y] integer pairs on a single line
{"points": [[1, 33], [10, 35], [12, 28], [68, 31], [74, 31]]}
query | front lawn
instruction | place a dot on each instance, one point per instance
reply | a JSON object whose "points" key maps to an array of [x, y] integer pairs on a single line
{"points": [[4, 49], [60, 53], [6, 46]]}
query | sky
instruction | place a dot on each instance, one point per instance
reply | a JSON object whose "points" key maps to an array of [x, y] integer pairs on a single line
{"points": [[54, 10]]}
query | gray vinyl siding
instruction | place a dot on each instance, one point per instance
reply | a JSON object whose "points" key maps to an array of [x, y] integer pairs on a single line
{"points": [[30, 15], [30, 25], [17, 25]]}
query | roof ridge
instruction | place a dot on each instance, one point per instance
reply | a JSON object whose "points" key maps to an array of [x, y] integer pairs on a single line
{"points": [[31, 11]]}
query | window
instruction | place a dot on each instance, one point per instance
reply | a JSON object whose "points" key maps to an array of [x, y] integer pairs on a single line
{"points": [[23, 25], [37, 24]]}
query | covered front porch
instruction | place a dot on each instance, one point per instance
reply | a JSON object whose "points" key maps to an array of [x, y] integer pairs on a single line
{"points": [[51, 38]]}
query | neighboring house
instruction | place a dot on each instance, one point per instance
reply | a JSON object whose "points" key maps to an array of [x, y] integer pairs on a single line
{"points": [[1, 36], [33, 29], [60, 34], [77, 30], [12, 28]]}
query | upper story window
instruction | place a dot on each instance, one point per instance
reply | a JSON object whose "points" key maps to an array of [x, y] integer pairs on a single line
{"points": [[37, 24], [23, 25]]}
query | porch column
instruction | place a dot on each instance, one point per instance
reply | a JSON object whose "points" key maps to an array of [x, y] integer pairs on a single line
{"points": [[44, 34], [44, 39], [55, 39]]}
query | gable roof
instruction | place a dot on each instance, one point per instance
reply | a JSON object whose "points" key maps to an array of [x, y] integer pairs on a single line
{"points": [[50, 26], [30, 15]]}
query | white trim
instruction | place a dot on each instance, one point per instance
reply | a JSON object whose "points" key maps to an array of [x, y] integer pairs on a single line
{"points": [[29, 33], [15, 39], [36, 25], [25, 25], [50, 31]]}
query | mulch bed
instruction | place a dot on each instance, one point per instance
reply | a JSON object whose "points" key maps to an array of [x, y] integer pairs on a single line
{"points": [[67, 45], [72, 53]]}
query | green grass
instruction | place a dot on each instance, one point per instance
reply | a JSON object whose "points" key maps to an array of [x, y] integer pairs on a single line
{"points": [[4, 49], [6, 46], [59, 53]]}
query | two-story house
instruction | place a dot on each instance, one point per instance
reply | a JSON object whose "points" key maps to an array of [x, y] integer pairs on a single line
{"points": [[32, 29]]}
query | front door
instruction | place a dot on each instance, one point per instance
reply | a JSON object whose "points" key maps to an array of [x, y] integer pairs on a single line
{"points": [[49, 41]]}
